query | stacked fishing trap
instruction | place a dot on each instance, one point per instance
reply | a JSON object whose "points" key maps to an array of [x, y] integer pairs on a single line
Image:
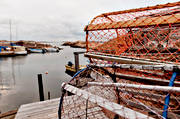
{"points": [[134, 67]]}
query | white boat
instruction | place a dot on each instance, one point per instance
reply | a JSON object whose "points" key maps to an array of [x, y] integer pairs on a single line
{"points": [[51, 49], [19, 50]]}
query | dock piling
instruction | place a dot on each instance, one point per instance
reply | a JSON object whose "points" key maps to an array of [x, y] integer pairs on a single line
{"points": [[41, 91], [49, 95], [76, 58]]}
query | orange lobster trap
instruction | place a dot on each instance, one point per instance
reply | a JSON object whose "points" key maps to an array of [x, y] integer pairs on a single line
{"points": [[150, 33]]}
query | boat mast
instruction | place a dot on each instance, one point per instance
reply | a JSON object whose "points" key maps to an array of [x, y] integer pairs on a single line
{"points": [[16, 32], [10, 32]]}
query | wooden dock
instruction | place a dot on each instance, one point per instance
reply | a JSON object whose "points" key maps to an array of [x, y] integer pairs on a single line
{"points": [[49, 109], [39, 110]]}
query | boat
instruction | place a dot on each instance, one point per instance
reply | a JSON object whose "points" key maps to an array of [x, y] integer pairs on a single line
{"points": [[18, 50], [33, 50], [70, 68], [6, 51], [51, 49]]}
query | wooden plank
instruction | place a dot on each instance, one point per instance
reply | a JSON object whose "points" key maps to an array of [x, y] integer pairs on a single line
{"points": [[140, 22], [36, 112], [156, 81], [116, 108], [39, 105], [39, 110], [40, 114], [49, 109], [146, 80], [135, 86], [7, 114], [164, 67], [122, 60], [98, 78]]}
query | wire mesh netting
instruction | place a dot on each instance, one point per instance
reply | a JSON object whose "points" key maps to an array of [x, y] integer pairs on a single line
{"points": [[133, 70], [131, 99], [146, 34]]}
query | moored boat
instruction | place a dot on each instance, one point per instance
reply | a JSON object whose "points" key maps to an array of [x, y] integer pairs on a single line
{"points": [[52, 49], [19, 50], [6, 51], [70, 68], [32, 50]]}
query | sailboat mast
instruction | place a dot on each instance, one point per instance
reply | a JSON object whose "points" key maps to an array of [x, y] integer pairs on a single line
{"points": [[16, 32], [10, 32]]}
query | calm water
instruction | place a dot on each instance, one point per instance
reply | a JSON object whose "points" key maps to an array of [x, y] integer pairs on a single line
{"points": [[18, 76]]}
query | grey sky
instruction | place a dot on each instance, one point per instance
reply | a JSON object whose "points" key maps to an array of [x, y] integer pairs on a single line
{"points": [[58, 19]]}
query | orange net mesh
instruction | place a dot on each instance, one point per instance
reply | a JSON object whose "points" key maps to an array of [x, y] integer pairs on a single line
{"points": [[148, 34]]}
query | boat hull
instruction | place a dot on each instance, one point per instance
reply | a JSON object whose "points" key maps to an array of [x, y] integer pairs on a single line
{"points": [[6, 53], [36, 50], [19, 50], [21, 53], [70, 70], [51, 50]]}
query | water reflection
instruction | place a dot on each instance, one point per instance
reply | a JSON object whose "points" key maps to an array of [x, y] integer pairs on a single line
{"points": [[18, 76]]}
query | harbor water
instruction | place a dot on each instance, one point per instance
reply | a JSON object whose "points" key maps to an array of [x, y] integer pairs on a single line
{"points": [[18, 76]]}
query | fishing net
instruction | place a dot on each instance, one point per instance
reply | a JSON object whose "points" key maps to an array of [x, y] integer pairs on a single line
{"points": [[133, 70]]}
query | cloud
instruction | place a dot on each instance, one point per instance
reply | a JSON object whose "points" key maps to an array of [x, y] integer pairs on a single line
{"points": [[58, 19]]}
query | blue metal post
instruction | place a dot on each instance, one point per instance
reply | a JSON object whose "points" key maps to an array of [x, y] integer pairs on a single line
{"points": [[171, 83]]}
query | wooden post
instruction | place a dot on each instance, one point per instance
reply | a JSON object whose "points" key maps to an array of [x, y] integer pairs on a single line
{"points": [[49, 97], [76, 58], [41, 91]]}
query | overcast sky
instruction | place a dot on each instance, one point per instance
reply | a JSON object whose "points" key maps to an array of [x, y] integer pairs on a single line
{"points": [[58, 19]]}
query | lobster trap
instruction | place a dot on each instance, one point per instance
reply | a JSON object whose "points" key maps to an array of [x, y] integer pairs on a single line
{"points": [[147, 33], [134, 67]]}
